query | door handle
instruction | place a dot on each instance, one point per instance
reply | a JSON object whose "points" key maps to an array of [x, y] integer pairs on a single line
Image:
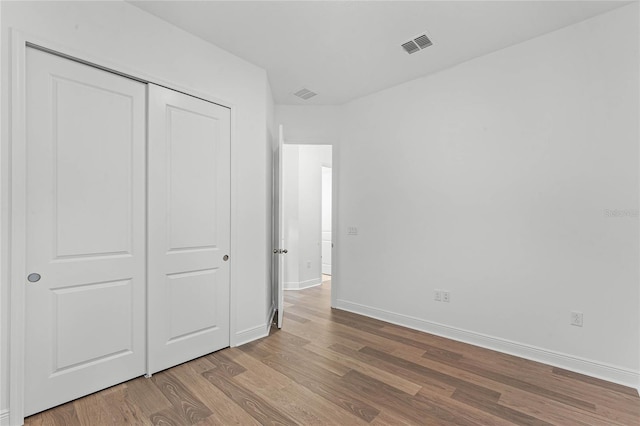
{"points": [[285, 251], [33, 278]]}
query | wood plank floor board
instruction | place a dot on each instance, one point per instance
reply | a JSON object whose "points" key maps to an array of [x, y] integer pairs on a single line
{"points": [[91, 409], [472, 414], [167, 417], [531, 400], [516, 383], [146, 396], [321, 382], [458, 368], [376, 373], [296, 318], [333, 367], [552, 411], [476, 400], [63, 415], [191, 377], [121, 407], [225, 410], [413, 371], [319, 335], [225, 363], [309, 356], [190, 407], [257, 407], [403, 405]]}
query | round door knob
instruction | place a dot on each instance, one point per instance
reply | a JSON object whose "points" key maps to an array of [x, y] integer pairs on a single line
{"points": [[275, 251], [33, 278], [285, 251], [226, 257]]}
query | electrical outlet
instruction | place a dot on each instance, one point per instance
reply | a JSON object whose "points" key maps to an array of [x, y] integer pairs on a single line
{"points": [[308, 264], [437, 296], [576, 318], [446, 296]]}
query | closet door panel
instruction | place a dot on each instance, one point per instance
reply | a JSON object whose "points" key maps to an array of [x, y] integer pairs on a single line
{"points": [[189, 223], [85, 277]]}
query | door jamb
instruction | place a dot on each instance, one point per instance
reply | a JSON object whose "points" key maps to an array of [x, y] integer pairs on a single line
{"points": [[13, 213]]}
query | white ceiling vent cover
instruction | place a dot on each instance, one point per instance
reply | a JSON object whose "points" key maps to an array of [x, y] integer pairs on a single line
{"points": [[305, 94], [418, 43]]}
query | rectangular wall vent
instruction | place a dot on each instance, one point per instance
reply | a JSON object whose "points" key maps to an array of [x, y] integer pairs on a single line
{"points": [[305, 94], [418, 43]]}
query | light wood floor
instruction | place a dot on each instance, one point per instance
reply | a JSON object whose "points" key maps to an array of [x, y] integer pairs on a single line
{"points": [[335, 368]]}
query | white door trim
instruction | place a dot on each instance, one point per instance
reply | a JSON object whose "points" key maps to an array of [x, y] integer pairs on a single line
{"points": [[13, 191], [335, 225]]}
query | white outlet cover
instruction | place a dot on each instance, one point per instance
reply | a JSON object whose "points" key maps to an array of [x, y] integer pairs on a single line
{"points": [[577, 319]]}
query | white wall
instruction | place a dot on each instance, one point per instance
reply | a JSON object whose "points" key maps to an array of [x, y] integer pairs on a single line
{"points": [[120, 34], [492, 180], [290, 203], [310, 125], [302, 187]]}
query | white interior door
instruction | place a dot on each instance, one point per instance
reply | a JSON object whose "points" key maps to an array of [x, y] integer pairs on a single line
{"points": [[278, 228], [326, 220], [85, 295], [189, 227]]}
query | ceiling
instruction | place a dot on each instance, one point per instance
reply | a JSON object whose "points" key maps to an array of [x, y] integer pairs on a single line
{"points": [[346, 49]]}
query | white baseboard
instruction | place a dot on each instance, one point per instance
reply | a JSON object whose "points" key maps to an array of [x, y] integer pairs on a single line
{"points": [[623, 376], [4, 418], [257, 332], [302, 284], [251, 334]]}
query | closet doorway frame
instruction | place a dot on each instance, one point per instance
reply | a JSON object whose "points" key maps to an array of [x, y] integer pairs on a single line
{"points": [[13, 213]]}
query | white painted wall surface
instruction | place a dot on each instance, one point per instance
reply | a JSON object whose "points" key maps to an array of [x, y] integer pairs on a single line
{"points": [[303, 213], [290, 192], [492, 180], [310, 125], [118, 33]]}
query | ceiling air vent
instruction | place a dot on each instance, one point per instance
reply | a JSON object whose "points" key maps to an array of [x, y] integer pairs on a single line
{"points": [[410, 47], [305, 94], [418, 43]]}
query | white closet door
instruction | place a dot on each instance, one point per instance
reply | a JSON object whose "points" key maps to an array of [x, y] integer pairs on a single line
{"points": [[189, 227], [85, 296]]}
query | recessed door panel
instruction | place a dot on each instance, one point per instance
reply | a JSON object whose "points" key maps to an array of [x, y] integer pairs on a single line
{"points": [[105, 329], [85, 315], [192, 178], [92, 154], [192, 298], [189, 222]]}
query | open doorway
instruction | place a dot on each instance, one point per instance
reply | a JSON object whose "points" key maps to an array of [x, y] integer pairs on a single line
{"points": [[307, 213]]}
